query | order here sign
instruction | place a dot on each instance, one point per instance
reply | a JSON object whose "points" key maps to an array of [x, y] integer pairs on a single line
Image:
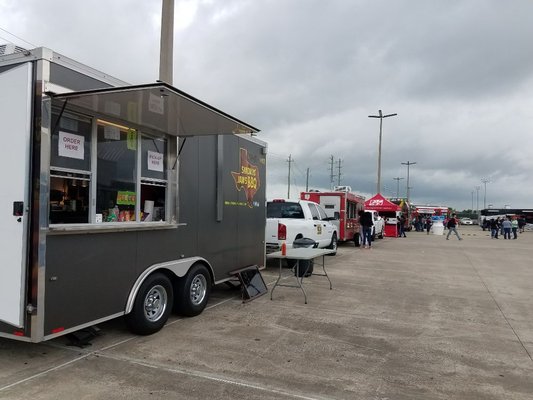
{"points": [[71, 145]]}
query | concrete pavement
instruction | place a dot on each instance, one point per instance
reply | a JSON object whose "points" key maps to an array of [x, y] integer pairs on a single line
{"points": [[412, 318]]}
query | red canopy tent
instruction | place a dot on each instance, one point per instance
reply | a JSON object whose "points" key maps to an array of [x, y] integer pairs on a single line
{"points": [[386, 209]]}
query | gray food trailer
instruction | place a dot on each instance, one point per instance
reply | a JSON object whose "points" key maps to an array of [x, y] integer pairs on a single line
{"points": [[117, 200]]}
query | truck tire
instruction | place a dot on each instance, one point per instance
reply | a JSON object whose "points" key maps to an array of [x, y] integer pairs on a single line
{"points": [[152, 305], [357, 240], [333, 245], [290, 262], [192, 291]]}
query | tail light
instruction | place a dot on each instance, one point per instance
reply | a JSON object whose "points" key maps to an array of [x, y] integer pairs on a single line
{"points": [[282, 232]]}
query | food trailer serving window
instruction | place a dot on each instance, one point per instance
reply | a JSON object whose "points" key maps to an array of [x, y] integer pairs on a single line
{"points": [[125, 153], [70, 168]]}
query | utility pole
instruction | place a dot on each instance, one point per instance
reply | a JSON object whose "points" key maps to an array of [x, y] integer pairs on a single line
{"points": [[331, 176], [472, 209], [307, 180], [166, 52], [408, 163], [380, 116], [398, 179], [290, 161], [339, 174]]}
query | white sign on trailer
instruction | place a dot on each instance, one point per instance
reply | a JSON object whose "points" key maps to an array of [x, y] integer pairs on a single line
{"points": [[71, 145]]}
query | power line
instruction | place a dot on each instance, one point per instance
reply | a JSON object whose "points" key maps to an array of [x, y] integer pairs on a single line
{"points": [[19, 38], [7, 40]]}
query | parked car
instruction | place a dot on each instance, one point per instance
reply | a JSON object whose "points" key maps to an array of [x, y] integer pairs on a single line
{"points": [[466, 221]]}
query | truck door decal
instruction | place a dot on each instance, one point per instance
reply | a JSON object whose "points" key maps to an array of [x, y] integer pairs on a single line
{"points": [[247, 179]]}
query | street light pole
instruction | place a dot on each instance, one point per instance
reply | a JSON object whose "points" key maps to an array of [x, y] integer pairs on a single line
{"points": [[380, 116], [408, 163], [397, 179], [477, 201], [166, 53], [472, 209], [485, 181]]}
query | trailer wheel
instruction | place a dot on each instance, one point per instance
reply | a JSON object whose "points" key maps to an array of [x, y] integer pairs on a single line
{"points": [[192, 291], [152, 305], [333, 244]]}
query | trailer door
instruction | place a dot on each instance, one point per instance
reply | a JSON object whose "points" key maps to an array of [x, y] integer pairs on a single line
{"points": [[15, 121], [331, 204]]}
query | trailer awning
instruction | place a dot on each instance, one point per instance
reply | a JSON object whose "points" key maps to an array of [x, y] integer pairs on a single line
{"points": [[158, 106]]}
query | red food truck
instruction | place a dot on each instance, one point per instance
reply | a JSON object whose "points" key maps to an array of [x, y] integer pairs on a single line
{"points": [[342, 206]]}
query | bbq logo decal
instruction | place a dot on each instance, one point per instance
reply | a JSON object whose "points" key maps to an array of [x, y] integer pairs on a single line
{"points": [[247, 179]]}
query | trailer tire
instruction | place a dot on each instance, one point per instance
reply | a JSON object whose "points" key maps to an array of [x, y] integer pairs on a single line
{"points": [[192, 291], [152, 305]]}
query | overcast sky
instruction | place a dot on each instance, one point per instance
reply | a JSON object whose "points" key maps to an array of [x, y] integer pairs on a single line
{"points": [[308, 73]]}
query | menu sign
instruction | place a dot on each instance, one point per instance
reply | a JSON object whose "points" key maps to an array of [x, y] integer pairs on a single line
{"points": [[71, 145]]}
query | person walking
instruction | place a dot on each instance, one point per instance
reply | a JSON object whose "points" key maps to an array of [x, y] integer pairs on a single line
{"points": [[420, 225], [521, 224], [452, 227], [514, 227], [366, 223], [403, 221], [428, 224], [494, 228], [506, 227]]}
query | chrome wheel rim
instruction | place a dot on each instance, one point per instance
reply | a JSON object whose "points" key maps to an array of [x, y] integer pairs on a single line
{"points": [[198, 289], [155, 303]]}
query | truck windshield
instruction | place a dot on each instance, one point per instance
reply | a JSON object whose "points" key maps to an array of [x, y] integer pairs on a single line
{"points": [[284, 210]]}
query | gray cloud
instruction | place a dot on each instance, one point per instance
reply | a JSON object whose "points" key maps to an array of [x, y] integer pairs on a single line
{"points": [[308, 73]]}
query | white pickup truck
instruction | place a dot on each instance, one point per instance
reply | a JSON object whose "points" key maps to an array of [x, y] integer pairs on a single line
{"points": [[288, 220]]}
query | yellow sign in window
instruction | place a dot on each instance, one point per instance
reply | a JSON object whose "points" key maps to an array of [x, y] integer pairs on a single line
{"points": [[126, 198]]}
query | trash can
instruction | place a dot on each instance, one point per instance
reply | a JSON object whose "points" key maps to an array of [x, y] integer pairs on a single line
{"points": [[437, 228], [306, 266]]}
